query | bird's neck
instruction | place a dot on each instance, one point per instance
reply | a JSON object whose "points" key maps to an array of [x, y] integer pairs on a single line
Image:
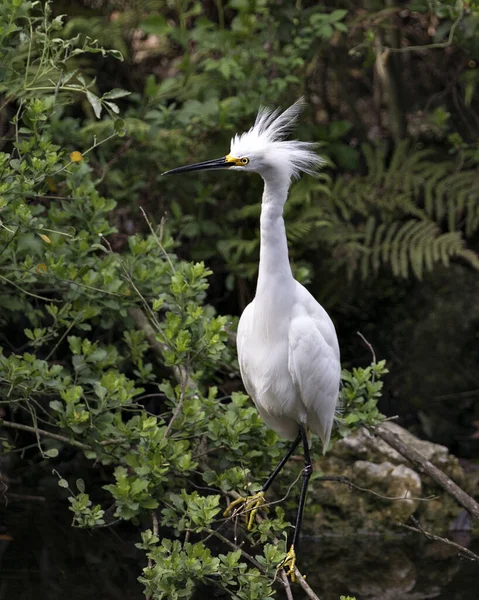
{"points": [[274, 267]]}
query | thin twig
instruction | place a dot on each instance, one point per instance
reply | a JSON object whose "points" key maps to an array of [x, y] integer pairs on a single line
{"points": [[177, 410], [25, 497], [445, 44], [154, 519], [348, 482], [26, 291], [104, 526], [368, 345], [130, 280], [248, 557], [430, 536], [419, 47], [200, 454], [157, 240]]}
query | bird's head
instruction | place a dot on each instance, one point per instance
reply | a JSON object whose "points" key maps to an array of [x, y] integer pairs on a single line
{"points": [[264, 150]]}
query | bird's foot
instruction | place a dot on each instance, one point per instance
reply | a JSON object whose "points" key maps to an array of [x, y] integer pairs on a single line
{"points": [[289, 564], [249, 505]]}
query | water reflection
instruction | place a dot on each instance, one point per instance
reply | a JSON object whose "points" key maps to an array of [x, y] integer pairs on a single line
{"points": [[403, 567], [42, 557]]}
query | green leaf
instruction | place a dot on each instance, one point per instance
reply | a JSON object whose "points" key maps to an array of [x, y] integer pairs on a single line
{"points": [[155, 24], [115, 93], [95, 103], [119, 126], [56, 405], [114, 107]]}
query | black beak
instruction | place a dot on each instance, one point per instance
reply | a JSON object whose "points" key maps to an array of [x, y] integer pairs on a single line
{"points": [[217, 163]]}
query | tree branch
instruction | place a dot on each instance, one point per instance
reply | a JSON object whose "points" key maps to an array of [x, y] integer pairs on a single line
{"points": [[302, 582], [428, 468], [430, 536], [55, 436], [42, 432], [287, 587], [177, 410]]}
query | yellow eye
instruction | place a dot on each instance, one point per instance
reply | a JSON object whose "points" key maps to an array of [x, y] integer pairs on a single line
{"points": [[245, 161]]}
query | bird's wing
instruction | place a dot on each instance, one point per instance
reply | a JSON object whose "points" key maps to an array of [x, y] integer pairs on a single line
{"points": [[315, 368], [243, 328]]}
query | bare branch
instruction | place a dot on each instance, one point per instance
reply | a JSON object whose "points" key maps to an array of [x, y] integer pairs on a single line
{"points": [[302, 582], [55, 436], [428, 468], [158, 239], [25, 497], [368, 344], [287, 587], [430, 536], [42, 432]]}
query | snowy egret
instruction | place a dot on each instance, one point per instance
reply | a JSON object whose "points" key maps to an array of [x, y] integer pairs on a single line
{"points": [[287, 346]]}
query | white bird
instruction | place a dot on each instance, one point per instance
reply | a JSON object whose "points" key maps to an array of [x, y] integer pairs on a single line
{"points": [[287, 345]]}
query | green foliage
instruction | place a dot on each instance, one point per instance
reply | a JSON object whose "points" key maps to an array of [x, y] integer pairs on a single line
{"points": [[36, 60], [358, 398], [177, 568]]}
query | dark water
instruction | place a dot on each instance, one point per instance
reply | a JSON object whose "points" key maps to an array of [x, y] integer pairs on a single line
{"points": [[395, 567], [47, 559], [42, 557]]}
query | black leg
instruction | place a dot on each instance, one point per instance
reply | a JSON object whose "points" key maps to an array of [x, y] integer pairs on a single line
{"points": [[251, 504], [284, 460], [307, 472]]}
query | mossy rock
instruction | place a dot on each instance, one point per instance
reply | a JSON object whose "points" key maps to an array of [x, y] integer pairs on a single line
{"points": [[392, 489]]}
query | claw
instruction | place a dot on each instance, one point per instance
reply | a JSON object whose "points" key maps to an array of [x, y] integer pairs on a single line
{"points": [[289, 564], [251, 505]]}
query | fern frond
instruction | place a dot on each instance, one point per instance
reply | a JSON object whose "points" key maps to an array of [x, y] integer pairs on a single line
{"points": [[471, 257], [298, 230], [411, 213]]}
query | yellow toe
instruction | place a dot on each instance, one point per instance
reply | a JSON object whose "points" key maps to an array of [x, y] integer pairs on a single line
{"points": [[289, 564], [249, 505]]}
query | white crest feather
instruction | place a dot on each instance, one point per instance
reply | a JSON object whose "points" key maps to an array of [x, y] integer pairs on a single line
{"points": [[266, 141]]}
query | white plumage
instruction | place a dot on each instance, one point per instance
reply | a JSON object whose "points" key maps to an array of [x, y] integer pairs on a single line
{"points": [[287, 345]]}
